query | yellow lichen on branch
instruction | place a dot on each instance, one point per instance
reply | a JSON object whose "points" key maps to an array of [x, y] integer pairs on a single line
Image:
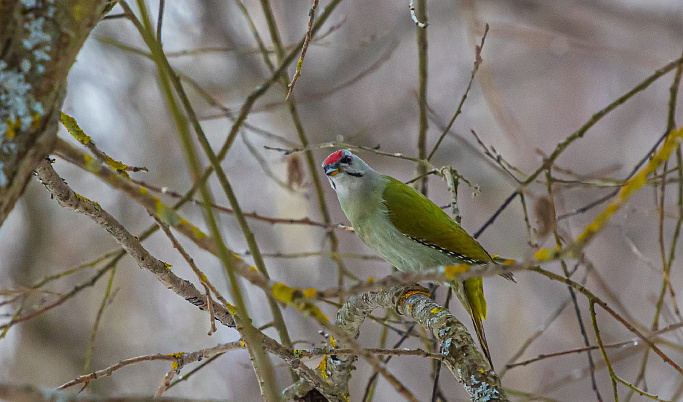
{"points": [[92, 165], [177, 357], [167, 215], [322, 368], [631, 186], [283, 293], [288, 294], [452, 271], [75, 130], [312, 310], [295, 297]]}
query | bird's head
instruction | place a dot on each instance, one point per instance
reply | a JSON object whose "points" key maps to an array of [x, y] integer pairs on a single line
{"points": [[343, 167]]}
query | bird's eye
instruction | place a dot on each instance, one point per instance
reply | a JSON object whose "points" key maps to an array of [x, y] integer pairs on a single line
{"points": [[346, 159]]}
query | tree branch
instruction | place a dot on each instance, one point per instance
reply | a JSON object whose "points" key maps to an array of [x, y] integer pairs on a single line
{"points": [[67, 198], [459, 352]]}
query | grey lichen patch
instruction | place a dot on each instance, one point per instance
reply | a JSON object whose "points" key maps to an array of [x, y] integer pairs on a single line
{"points": [[482, 391], [23, 65], [446, 347], [18, 106], [3, 177], [37, 40]]}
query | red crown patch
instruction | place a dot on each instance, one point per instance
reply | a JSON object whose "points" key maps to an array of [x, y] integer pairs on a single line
{"points": [[333, 157]]}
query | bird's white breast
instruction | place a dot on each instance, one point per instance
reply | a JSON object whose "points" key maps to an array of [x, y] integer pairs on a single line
{"points": [[362, 203], [396, 248]]}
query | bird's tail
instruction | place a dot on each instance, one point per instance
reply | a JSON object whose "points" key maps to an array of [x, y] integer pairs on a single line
{"points": [[474, 294], [481, 336]]}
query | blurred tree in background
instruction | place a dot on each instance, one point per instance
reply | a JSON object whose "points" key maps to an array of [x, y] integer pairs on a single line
{"points": [[565, 150]]}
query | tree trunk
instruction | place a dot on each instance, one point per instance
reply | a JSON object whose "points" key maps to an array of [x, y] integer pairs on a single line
{"points": [[39, 41]]}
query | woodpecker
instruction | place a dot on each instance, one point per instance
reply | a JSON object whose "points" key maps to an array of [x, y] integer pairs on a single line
{"points": [[408, 230]]}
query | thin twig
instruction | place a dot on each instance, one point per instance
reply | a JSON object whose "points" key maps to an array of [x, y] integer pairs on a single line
{"points": [[251, 215], [498, 159], [342, 271], [72, 127], [166, 382], [160, 18], [417, 22], [609, 310], [572, 294], [106, 299], [67, 198], [337, 144], [493, 217], [264, 166], [477, 62], [200, 275], [304, 48], [422, 71], [619, 345], [561, 147], [170, 83], [84, 379], [538, 332]]}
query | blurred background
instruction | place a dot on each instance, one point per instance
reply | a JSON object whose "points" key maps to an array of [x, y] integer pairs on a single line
{"points": [[547, 67]]}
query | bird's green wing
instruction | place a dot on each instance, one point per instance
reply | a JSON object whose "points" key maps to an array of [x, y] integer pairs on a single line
{"points": [[417, 217]]}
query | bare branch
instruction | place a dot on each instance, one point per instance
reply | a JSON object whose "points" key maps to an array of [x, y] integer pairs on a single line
{"points": [[67, 198], [304, 48]]}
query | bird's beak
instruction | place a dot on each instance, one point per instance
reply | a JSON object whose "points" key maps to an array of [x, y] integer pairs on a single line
{"points": [[332, 169]]}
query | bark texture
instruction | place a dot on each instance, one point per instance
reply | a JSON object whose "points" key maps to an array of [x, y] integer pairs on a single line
{"points": [[39, 41], [460, 353]]}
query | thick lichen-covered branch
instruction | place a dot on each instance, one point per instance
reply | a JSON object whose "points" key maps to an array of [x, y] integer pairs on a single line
{"points": [[460, 353]]}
